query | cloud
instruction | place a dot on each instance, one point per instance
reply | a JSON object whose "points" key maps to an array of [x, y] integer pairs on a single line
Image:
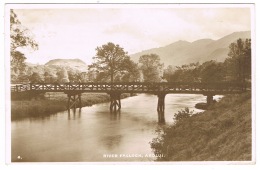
{"points": [[217, 22], [75, 33]]}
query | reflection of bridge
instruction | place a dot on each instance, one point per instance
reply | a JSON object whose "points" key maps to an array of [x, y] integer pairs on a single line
{"points": [[74, 90]]}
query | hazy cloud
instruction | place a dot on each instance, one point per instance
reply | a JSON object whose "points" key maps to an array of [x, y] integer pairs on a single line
{"points": [[75, 33]]}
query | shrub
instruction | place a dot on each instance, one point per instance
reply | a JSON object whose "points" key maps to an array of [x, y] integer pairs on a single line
{"points": [[182, 114]]}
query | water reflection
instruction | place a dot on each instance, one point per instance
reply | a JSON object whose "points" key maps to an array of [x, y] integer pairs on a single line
{"points": [[161, 118], [75, 112], [96, 131], [115, 114], [111, 141]]}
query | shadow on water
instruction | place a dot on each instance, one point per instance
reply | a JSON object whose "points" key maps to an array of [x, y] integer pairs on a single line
{"points": [[115, 114]]}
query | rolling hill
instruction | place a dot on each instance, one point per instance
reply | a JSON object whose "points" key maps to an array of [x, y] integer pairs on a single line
{"points": [[184, 52], [75, 64]]}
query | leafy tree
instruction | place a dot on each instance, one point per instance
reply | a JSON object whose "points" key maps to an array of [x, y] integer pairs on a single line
{"points": [[151, 67], [74, 76], [102, 77], [46, 77], [83, 77], [109, 60], [62, 76], [212, 71], [17, 61], [91, 75], [131, 72], [168, 72], [20, 37], [238, 64], [23, 78], [49, 74], [35, 78], [185, 73], [49, 77]]}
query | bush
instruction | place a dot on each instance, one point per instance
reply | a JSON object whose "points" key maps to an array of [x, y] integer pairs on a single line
{"points": [[182, 114]]}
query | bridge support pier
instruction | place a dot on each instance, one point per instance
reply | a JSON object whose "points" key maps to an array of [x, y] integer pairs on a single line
{"points": [[115, 102], [161, 102], [74, 100], [209, 99]]}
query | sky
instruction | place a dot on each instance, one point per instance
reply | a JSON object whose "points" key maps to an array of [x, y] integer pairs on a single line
{"points": [[69, 33]]}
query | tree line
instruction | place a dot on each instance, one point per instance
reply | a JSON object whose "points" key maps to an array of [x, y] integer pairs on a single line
{"points": [[236, 67], [113, 67]]}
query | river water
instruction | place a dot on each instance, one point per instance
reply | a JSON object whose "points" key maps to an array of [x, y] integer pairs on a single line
{"points": [[94, 134]]}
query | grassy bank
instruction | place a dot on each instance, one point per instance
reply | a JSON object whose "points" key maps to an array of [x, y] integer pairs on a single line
{"points": [[52, 103], [222, 133]]}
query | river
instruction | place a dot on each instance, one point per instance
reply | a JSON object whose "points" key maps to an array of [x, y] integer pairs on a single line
{"points": [[94, 134]]}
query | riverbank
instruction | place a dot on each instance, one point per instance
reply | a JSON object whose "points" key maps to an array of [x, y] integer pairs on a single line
{"points": [[222, 133], [52, 102]]}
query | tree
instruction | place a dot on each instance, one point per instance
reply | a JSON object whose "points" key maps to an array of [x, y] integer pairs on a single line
{"points": [[23, 78], [83, 77], [46, 77], [20, 37], [35, 78], [168, 72], [185, 73], [17, 61], [131, 72], [91, 74], [151, 67], [62, 76], [212, 72], [49, 77], [238, 64], [49, 74], [109, 60], [74, 76]]}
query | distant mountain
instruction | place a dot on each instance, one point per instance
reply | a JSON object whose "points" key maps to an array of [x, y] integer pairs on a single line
{"points": [[68, 63], [184, 52]]}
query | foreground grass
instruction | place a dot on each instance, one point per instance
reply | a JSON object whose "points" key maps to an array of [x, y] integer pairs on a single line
{"points": [[51, 103], [222, 133]]}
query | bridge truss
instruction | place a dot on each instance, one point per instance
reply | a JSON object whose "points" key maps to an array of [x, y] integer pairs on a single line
{"points": [[74, 90]]}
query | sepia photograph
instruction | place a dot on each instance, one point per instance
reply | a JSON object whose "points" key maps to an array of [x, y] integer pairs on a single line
{"points": [[125, 83]]}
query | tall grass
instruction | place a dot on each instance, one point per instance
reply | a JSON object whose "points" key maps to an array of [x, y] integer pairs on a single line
{"points": [[51, 103], [222, 133], [36, 108]]}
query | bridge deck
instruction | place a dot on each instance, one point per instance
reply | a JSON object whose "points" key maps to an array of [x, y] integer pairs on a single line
{"points": [[191, 88]]}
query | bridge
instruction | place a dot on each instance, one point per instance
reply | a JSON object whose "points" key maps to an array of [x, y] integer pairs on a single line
{"points": [[74, 90]]}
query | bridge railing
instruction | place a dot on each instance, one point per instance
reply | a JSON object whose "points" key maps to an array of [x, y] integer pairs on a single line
{"points": [[131, 87], [20, 87]]}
